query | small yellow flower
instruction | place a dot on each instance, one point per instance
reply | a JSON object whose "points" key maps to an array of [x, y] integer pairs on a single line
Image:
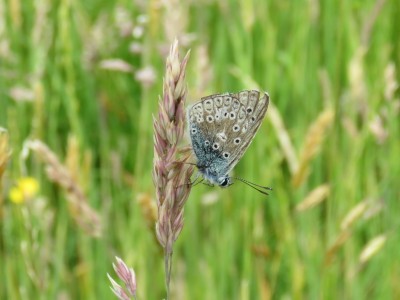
{"points": [[25, 189], [16, 195]]}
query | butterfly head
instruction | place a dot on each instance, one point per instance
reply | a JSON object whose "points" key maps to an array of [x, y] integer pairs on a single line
{"points": [[213, 177], [224, 181]]}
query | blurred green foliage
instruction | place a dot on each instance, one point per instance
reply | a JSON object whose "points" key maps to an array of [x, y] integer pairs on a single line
{"points": [[84, 77]]}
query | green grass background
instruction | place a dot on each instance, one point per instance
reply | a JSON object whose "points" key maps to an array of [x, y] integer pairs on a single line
{"points": [[309, 55]]}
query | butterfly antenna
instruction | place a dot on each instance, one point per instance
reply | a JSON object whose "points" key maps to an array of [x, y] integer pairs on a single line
{"points": [[188, 163], [257, 187]]}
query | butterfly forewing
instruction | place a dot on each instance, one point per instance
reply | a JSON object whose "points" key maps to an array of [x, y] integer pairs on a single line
{"points": [[222, 127]]}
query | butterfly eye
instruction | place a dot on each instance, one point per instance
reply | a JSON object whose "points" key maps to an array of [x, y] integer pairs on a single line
{"points": [[249, 110], [236, 141], [194, 130], [215, 146], [253, 119], [225, 114], [225, 182], [207, 143], [226, 154], [232, 116]]}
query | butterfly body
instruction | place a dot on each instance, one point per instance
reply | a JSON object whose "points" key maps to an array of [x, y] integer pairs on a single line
{"points": [[221, 128]]}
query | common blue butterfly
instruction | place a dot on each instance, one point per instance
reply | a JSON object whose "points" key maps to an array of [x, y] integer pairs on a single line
{"points": [[221, 128]]}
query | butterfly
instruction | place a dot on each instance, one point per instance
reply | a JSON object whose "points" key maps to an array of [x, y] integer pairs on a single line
{"points": [[221, 128]]}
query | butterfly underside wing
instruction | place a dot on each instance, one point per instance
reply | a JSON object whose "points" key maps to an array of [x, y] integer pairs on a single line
{"points": [[221, 128]]}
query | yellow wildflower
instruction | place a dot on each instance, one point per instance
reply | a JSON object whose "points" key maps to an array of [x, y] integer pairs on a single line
{"points": [[25, 189]]}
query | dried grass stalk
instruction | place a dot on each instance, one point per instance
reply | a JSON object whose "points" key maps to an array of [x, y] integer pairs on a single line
{"points": [[314, 139], [170, 173], [353, 215], [391, 84], [346, 226], [148, 207], [205, 72], [283, 137], [5, 152], [84, 215], [372, 248], [370, 22], [175, 19], [315, 197], [337, 244], [357, 82]]}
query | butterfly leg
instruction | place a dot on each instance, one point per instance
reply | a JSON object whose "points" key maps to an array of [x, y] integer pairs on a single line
{"points": [[207, 183], [194, 182]]}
